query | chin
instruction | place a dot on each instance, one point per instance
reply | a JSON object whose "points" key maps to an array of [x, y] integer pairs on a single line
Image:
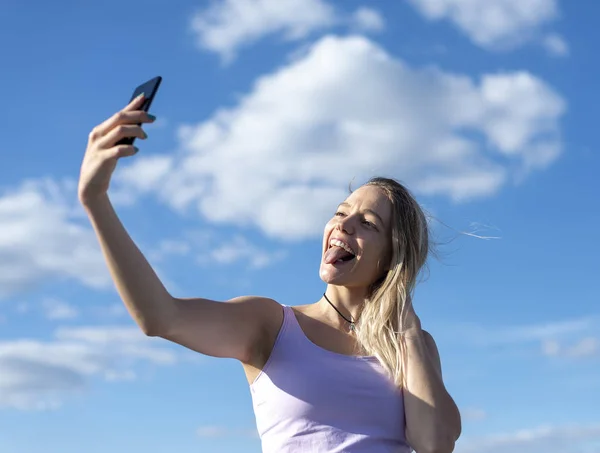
{"points": [[330, 276], [337, 277]]}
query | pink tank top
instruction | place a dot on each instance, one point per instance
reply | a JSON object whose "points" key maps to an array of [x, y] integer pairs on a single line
{"points": [[309, 399]]}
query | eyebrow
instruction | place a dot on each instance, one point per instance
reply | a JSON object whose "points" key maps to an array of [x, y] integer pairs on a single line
{"points": [[370, 211]]}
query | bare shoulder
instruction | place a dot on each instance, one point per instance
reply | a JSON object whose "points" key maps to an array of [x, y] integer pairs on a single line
{"points": [[258, 304], [267, 312]]}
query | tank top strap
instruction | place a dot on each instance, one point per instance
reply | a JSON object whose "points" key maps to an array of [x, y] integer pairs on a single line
{"points": [[286, 342], [290, 325], [291, 338]]}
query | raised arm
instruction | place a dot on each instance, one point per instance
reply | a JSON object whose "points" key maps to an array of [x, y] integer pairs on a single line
{"points": [[232, 329]]}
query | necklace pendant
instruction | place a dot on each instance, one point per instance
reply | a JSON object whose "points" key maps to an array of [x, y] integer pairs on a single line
{"points": [[352, 327]]}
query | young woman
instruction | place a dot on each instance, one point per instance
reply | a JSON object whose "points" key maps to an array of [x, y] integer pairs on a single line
{"points": [[352, 372]]}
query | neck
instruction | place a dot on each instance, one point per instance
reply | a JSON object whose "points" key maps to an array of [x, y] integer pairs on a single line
{"points": [[349, 301]]}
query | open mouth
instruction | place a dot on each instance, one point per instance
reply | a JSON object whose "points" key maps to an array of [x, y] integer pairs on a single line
{"points": [[338, 252]]}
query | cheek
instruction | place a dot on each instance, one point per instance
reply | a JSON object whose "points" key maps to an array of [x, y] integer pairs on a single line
{"points": [[327, 232], [378, 258]]}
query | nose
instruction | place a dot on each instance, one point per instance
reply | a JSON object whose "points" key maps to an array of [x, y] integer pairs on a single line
{"points": [[345, 224]]}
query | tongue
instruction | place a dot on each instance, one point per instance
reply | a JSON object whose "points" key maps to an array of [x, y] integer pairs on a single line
{"points": [[334, 254]]}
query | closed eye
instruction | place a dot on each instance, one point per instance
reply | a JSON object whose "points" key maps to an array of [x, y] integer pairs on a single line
{"points": [[339, 214]]}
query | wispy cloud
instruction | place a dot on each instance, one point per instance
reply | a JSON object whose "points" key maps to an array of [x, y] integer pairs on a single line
{"points": [[240, 249], [567, 339], [227, 26], [556, 45], [494, 25], [473, 414], [368, 19], [584, 347], [532, 333], [168, 248], [543, 439], [58, 310], [210, 247], [41, 237], [39, 375]]}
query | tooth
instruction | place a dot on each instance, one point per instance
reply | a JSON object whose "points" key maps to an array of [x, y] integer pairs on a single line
{"points": [[340, 244]]}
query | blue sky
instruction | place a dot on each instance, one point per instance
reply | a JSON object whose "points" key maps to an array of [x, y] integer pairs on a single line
{"points": [[268, 110]]}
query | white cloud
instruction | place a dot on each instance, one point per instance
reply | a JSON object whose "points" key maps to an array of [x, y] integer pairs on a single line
{"points": [[368, 19], [550, 347], [544, 332], [58, 309], [240, 249], [283, 157], [543, 439], [567, 339], [169, 247], [210, 247], [547, 330], [147, 174], [39, 374], [227, 25], [585, 347], [473, 414], [556, 45], [114, 310], [41, 238], [498, 24]]}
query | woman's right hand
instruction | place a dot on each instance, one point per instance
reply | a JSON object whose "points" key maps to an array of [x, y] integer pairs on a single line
{"points": [[102, 153]]}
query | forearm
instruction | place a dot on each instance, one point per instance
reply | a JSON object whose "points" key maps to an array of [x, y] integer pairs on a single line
{"points": [[432, 418], [141, 290]]}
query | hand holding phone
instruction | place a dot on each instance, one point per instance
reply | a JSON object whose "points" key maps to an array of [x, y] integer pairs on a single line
{"points": [[111, 140], [149, 90]]}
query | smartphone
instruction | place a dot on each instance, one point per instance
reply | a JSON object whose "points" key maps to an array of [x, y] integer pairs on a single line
{"points": [[149, 89]]}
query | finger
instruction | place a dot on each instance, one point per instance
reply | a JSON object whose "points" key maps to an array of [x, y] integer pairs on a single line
{"points": [[123, 151], [131, 111], [119, 132], [136, 102], [131, 117], [135, 117]]}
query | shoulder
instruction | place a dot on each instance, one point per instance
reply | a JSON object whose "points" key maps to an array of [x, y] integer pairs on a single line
{"points": [[267, 316], [257, 302], [262, 308]]}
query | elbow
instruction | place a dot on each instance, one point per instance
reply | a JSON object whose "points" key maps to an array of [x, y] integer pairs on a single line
{"points": [[150, 327], [439, 442], [150, 331], [440, 446], [156, 324]]}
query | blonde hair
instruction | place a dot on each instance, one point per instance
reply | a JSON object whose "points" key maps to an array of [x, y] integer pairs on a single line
{"points": [[382, 322]]}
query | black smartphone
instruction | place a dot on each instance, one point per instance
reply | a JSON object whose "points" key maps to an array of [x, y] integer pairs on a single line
{"points": [[149, 89]]}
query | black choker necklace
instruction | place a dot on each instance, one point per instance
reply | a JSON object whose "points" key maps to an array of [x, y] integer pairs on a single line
{"points": [[349, 321]]}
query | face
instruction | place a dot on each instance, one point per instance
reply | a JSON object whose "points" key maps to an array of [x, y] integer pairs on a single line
{"points": [[361, 224]]}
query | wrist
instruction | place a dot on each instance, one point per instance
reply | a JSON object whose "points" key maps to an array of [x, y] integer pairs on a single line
{"points": [[92, 205]]}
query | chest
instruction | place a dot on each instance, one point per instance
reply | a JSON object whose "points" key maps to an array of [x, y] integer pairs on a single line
{"points": [[349, 393]]}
